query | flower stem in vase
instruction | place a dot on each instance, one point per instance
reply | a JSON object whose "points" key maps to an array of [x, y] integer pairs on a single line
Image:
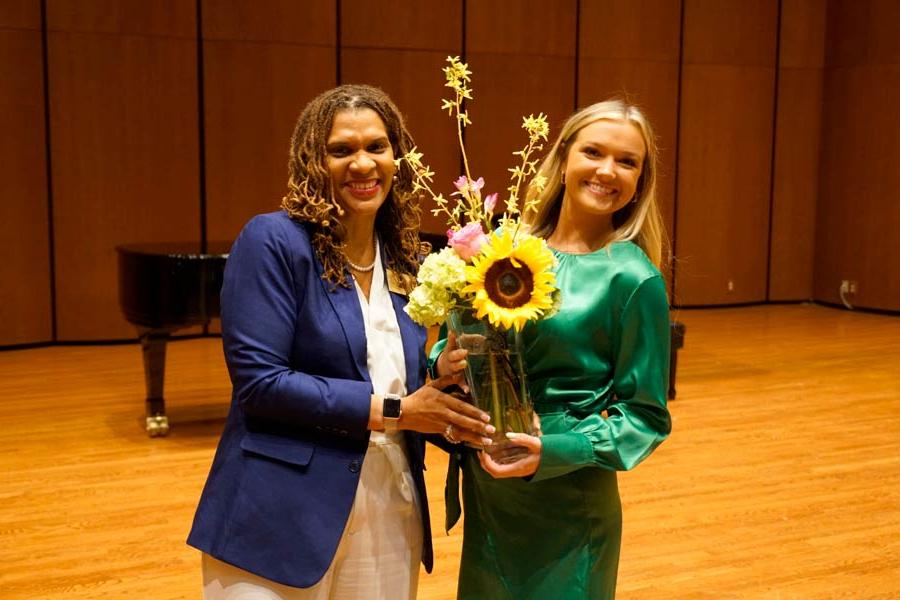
{"points": [[505, 413], [524, 401], [497, 416]]}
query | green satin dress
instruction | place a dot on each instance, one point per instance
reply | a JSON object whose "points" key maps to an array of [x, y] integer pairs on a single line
{"points": [[598, 375]]}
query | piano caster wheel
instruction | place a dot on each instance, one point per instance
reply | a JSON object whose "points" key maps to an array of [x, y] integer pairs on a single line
{"points": [[158, 426]]}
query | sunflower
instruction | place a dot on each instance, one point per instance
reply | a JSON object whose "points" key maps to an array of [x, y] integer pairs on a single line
{"points": [[512, 282]]}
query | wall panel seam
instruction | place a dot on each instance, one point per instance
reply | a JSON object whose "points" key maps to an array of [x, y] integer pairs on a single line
{"points": [[396, 48], [774, 151], [214, 40], [515, 54], [577, 68], [51, 244], [338, 43], [14, 28], [464, 57], [201, 133], [628, 59], [121, 34], [673, 253]]}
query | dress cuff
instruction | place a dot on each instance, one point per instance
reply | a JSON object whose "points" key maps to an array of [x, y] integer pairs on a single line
{"points": [[562, 453], [434, 356]]}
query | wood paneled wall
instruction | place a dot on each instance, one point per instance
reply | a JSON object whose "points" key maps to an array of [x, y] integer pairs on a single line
{"points": [[404, 57], [725, 151], [262, 62], [124, 152], [633, 50], [859, 209], [25, 289], [171, 118], [522, 54], [797, 143]]}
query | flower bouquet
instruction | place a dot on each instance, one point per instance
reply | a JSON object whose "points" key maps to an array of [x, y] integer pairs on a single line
{"points": [[491, 279]]}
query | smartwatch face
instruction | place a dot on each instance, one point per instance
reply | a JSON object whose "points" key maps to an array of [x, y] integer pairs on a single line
{"points": [[391, 409]]}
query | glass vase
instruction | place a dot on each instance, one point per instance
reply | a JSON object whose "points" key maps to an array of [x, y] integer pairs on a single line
{"points": [[495, 373]]}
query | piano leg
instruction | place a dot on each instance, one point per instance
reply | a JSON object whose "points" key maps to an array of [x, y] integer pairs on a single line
{"points": [[153, 345], [677, 341]]}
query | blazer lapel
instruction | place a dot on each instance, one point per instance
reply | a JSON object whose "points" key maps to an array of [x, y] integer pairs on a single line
{"points": [[346, 304], [408, 329], [413, 353], [410, 333]]}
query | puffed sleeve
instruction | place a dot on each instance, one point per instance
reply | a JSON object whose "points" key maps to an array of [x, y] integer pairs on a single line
{"points": [[263, 298], [637, 418]]}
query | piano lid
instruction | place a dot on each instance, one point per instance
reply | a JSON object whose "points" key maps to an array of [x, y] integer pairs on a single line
{"points": [[170, 285]]}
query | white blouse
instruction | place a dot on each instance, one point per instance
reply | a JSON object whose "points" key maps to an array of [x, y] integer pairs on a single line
{"points": [[386, 363], [384, 345]]}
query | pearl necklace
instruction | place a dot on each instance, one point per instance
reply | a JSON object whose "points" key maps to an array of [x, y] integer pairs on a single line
{"points": [[367, 268], [360, 269]]}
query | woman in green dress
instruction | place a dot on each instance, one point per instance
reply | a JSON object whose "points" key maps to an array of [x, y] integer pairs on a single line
{"points": [[550, 524]]}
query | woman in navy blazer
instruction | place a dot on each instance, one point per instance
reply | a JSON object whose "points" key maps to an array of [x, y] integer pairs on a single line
{"points": [[302, 357]]}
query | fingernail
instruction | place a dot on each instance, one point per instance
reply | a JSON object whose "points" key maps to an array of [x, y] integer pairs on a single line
{"points": [[510, 435], [463, 364], [486, 418], [486, 441], [490, 430]]}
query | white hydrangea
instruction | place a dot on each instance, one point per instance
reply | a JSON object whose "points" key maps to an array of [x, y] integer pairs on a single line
{"points": [[444, 270], [428, 305]]}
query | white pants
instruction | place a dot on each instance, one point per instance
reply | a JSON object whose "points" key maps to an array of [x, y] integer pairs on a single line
{"points": [[378, 555]]}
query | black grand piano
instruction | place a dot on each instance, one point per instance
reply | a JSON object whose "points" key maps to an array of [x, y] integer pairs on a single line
{"points": [[164, 287]]}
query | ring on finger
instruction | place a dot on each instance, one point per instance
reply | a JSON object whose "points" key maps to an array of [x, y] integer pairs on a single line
{"points": [[448, 434]]}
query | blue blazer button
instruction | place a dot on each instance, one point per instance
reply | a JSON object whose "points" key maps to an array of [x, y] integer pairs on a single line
{"points": [[354, 466]]}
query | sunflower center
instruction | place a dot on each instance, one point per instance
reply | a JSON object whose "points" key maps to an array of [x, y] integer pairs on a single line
{"points": [[508, 285]]}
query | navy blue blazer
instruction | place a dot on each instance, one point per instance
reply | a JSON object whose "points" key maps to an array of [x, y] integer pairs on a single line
{"points": [[285, 473]]}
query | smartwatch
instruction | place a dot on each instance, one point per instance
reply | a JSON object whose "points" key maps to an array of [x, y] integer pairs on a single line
{"points": [[391, 412]]}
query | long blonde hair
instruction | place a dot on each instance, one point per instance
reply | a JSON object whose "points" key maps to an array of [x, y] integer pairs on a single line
{"points": [[639, 221]]}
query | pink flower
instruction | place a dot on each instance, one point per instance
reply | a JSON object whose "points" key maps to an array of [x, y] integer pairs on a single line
{"points": [[490, 202], [467, 241], [462, 184]]}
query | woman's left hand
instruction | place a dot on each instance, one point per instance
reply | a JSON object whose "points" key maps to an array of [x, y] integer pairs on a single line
{"points": [[525, 466]]}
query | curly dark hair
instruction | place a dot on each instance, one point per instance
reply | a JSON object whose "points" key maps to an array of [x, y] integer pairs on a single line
{"points": [[311, 200]]}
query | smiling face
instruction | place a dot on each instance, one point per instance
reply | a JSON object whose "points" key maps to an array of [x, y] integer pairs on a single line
{"points": [[602, 168], [360, 159]]}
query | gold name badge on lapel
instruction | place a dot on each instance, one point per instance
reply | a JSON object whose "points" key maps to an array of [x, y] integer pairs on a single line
{"points": [[400, 283]]}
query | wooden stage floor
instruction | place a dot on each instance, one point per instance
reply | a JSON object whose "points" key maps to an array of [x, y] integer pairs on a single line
{"points": [[780, 481]]}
